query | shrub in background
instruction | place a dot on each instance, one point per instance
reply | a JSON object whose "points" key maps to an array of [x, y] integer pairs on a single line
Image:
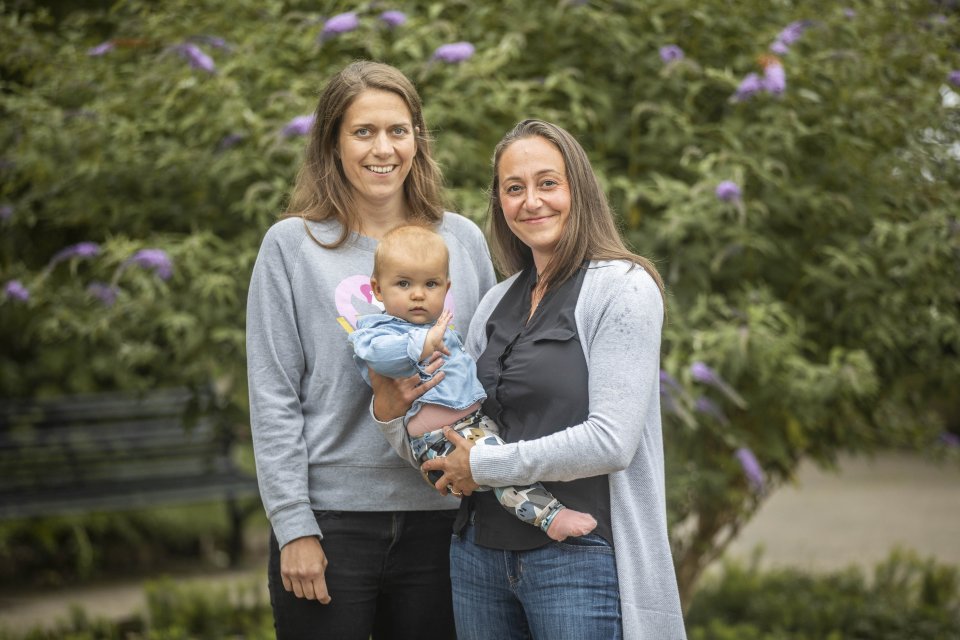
{"points": [[792, 167]]}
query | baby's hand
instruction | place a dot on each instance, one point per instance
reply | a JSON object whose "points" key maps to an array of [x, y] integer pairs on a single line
{"points": [[434, 341]]}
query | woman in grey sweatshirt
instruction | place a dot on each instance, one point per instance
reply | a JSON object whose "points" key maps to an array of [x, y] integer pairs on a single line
{"points": [[359, 542]]}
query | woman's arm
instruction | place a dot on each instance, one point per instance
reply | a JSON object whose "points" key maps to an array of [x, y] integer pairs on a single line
{"points": [[622, 315], [275, 365]]}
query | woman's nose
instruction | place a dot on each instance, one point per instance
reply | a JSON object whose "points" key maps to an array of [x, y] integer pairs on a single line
{"points": [[381, 144]]}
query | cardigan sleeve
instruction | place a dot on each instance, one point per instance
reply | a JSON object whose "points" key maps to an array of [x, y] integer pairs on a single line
{"points": [[620, 317]]}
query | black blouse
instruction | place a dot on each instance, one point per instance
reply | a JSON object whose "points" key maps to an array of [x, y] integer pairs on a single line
{"points": [[536, 380]]}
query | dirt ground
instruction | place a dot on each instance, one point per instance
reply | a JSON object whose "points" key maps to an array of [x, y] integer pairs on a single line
{"points": [[827, 521]]}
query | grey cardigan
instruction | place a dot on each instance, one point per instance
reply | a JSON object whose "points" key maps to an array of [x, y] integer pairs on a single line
{"points": [[619, 317]]}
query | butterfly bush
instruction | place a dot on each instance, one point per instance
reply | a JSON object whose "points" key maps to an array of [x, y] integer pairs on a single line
{"points": [[703, 374], [155, 260], [299, 126], [670, 53], [105, 293], [196, 57], [454, 52], [749, 86], [751, 468], [954, 77], [6, 212], [101, 49], [708, 407], [727, 191], [393, 18], [80, 250], [340, 23], [790, 34], [14, 290], [774, 79]]}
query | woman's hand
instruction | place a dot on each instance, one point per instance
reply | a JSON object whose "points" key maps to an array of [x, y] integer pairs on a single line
{"points": [[455, 467], [392, 397]]}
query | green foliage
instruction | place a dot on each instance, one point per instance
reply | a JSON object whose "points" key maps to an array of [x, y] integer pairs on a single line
{"points": [[51, 552], [174, 612], [906, 599], [824, 298]]}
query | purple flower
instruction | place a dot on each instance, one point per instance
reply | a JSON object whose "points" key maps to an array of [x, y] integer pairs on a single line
{"points": [[196, 57], [299, 126], [774, 79], [727, 191], [751, 84], [229, 140], [16, 291], [954, 77], [214, 41], [705, 375], [454, 52], [156, 260], [80, 250], [950, 439], [103, 292], [780, 48], [101, 49], [340, 23], [671, 52], [6, 211], [792, 32], [751, 468], [701, 372], [850, 13], [668, 382], [709, 407], [393, 18]]}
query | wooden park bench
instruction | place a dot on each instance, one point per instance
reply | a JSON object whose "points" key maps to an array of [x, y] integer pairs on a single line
{"points": [[110, 452]]}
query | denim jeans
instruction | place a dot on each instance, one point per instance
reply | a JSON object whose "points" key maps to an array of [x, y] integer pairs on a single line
{"points": [[388, 576], [564, 590]]}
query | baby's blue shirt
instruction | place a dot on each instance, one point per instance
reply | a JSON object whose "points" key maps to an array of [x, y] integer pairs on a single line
{"points": [[392, 347]]}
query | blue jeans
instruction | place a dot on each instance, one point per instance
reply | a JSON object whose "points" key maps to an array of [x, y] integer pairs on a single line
{"points": [[563, 591], [388, 577]]}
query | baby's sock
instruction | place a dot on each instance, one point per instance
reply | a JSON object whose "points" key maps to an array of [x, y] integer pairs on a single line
{"points": [[568, 522]]}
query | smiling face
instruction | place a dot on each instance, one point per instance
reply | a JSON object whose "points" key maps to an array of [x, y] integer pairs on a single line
{"points": [[535, 195], [377, 145], [412, 286]]}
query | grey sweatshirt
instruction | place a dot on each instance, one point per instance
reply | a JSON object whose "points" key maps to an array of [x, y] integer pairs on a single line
{"points": [[619, 317], [315, 443]]}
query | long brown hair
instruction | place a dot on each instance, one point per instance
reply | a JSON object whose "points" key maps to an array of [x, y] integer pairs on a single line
{"points": [[322, 191], [591, 231]]}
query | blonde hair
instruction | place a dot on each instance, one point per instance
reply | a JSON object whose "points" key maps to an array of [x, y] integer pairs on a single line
{"points": [[322, 191], [590, 232], [412, 240]]}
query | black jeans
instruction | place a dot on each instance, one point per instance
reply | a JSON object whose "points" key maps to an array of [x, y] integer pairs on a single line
{"points": [[388, 576]]}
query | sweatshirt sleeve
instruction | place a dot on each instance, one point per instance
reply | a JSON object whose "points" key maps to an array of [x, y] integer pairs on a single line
{"points": [[625, 317], [275, 366]]}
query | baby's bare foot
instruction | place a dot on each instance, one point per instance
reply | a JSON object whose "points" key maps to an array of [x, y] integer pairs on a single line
{"points": [[570, 523]]}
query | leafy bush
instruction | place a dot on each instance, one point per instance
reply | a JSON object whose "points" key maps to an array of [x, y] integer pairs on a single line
{"points": [[50, 552], [906, 599], [791, 166]]}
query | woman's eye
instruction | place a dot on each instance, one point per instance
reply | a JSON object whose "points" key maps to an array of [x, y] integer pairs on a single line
{"points": [[549, 183], [362, 132], [513, 188], [399, 131]]}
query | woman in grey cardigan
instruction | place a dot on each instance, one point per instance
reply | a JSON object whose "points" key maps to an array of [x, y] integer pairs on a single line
{"points": [[568, 352]]}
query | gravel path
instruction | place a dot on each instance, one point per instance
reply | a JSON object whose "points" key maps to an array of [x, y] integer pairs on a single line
{"points": [[827, 521]]}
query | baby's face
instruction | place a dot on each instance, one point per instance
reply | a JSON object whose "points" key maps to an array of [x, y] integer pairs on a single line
{"points": [[413, 289]]}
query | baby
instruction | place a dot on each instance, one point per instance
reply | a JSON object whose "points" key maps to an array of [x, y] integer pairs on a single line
{"points": [[411, 278]]}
